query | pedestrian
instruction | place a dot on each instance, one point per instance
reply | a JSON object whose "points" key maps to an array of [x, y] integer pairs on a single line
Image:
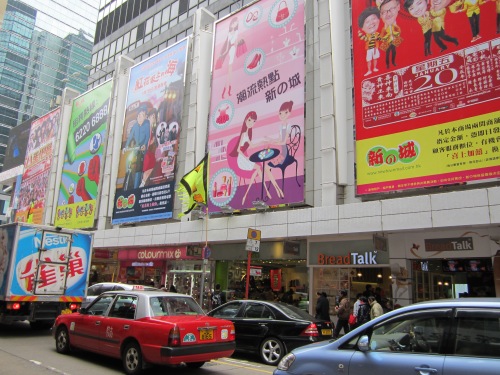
{"points": [[368, 291], [363, 311], [375, 308], [218, 298], [172, 289], [355, 309], [343, 311], [323, 307]]}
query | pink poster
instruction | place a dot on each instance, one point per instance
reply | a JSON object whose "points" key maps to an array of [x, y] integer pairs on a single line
{"points": [[256, 124]]}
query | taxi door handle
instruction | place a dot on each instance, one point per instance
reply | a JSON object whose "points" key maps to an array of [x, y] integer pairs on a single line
{"points": [[426, 370], [98, 323], [126, 326]]}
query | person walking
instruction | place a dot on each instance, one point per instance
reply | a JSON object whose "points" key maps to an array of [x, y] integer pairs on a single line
{"points": [[343, 311], [323, 307], [363, 312], [355, 309], [376, 309]]}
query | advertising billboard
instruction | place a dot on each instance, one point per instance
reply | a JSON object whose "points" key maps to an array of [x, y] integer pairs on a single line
{"points": [[37, 164], [153, 113], [256, 123], [427, 84], [16, 147], [83, 160]]}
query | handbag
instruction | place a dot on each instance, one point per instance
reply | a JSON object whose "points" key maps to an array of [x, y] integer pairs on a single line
{"points": [[283, 11], [220, 61], [352, 319], [241, 48]]}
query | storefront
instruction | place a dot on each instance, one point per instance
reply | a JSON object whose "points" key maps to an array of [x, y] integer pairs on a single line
{"points": [[274, 269], [349, 266], [181, 266], [443, 264], [105, 266]]}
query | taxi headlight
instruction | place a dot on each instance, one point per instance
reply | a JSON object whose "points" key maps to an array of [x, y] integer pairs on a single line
{"points": [[286, 362]]}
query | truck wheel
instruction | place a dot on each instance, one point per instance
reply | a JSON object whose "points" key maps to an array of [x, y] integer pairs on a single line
{"points": [[132, 359], [271, 351], [62, 341]]}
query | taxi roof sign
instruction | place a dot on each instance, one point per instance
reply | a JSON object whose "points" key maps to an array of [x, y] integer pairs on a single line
{"points": [[253, 234]]}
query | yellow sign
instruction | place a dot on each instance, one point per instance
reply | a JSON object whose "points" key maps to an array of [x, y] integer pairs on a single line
{"points": [[253, 234], [76, 215]]}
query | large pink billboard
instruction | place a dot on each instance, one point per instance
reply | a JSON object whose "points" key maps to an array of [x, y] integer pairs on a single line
{"points": [[427, 92], [256, 124]]}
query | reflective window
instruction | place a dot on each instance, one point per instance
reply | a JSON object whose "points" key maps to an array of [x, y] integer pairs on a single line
{"points": [[100, 305], [124, 307], [478, 334]]}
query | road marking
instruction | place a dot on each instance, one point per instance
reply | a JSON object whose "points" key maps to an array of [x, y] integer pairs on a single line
{"points": [[38, 363], [242, 364]]}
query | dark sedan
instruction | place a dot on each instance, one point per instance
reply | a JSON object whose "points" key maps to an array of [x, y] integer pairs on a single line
{"points": [[272, 329]]}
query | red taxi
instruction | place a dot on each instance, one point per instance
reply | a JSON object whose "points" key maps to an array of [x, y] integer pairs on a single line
{"points": [[145, 328]]}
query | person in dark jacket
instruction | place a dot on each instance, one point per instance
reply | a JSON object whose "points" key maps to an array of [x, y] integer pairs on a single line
{"points": [[343, 312], [323, 307], [363, 311]]}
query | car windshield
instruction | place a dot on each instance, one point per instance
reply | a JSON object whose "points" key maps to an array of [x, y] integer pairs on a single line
{"points": [[295, 312], [174, 305]]}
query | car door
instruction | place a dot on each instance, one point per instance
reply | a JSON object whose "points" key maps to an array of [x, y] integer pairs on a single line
{"points": [[87, 332], [118, 324], [405, 345], [253, 325], [475, 343], [230, 311]]}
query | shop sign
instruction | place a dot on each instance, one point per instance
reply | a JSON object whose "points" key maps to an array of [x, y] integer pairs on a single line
{"points": [[102, 254], [449, 244], [360, 258], [166, 253], [256, 271]]}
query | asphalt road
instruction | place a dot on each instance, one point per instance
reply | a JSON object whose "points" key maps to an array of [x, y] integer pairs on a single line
{"points": [[28, 352]]}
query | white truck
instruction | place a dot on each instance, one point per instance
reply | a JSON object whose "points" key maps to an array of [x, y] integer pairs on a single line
{"points": [[44, 272]]}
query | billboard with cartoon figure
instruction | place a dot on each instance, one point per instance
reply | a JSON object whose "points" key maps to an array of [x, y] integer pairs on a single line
{"points": [[427, 93], [77, 200], [256, 124], [150, 142]]}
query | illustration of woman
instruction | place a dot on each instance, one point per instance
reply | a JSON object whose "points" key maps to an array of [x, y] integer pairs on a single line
{"points": [[230, 47], [471, 8], [241, 153], [283, 114], [149, 156]]}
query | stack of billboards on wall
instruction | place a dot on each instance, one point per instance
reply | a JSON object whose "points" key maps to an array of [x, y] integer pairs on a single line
{"points": [[426, 93], [255, 129]]}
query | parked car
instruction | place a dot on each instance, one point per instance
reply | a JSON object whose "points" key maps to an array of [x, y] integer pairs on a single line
{"points": [[146, 327], [272, 329], [95, 290], [459, 337]]}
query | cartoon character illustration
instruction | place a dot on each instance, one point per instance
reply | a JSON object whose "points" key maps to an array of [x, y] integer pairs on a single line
{"points": [[369, 21], [438, 13], [471, 8], [241, 153], [232, 47], [391, 33], [420, 10]]}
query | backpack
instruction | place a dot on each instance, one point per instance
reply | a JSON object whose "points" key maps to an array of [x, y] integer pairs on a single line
{"points": [[363, 314], [216, 299]]}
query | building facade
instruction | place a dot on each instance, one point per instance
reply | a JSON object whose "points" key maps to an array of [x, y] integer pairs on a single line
{"points": [[414, 239]]}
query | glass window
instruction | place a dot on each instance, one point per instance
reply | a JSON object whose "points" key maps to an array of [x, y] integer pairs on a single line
{"points": [[100, 306], [149, 26], [126, 40], [417, 333], [157, 21], [119, 44], [133, 35], [478, 334], [124, 307], [229, 310], [112, 48], [155, 33], [106, 53], [165, 15], [174, 11]]}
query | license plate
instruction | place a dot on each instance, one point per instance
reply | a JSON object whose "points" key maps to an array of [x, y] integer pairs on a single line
{"points": [[206, 334], [326, 332]]}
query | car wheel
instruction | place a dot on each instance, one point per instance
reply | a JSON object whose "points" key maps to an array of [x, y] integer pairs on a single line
{"points": [[271, 351], [193, 365], [62, 341], [132, 359]]}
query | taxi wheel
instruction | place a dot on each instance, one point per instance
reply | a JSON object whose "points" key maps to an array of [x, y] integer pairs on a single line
{"points": [[271, 351], [193, 365], [62, 341], [132, 359]]}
